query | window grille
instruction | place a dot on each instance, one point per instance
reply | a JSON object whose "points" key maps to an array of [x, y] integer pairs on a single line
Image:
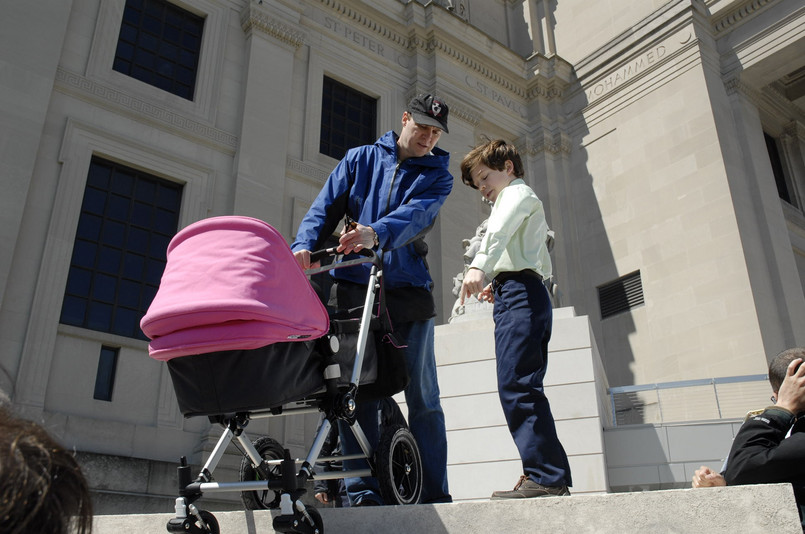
{"points": [[105, 377], [160, 44], [127, 220], [620, 295], [348, 119]]}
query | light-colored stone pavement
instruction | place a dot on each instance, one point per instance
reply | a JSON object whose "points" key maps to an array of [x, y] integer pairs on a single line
{"points": [[742, 509]]}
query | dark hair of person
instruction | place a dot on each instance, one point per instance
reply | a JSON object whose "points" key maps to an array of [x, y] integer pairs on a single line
{"points": [[42, 488], [493, 154], [779, 366]]}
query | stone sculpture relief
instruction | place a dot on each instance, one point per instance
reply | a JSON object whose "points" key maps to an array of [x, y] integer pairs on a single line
{"points": [[472, 307]]}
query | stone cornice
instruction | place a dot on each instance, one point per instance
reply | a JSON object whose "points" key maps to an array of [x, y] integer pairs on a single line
{"points": [[545, 141], [547, 78], [446, 48], [285, 33], [737, 15], [777, 97], [770, 97], [793, 130], [547, 90], [518, 84], [466, 114], [307, 170], [735, 85], [366, 22], [139, 108]]}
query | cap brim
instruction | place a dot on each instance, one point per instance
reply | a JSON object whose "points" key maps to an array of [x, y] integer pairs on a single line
{"points": [[421, 118]]}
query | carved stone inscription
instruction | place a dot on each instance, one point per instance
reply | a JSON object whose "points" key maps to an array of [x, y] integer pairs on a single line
{"points": [[626, 72], [363, 39], [495, 96], [355, 36]]}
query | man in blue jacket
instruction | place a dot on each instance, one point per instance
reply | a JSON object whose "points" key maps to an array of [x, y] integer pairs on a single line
{"points": [[393, 190]]}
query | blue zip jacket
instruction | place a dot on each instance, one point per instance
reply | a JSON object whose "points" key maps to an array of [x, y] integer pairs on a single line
{"points": [[399, 201]]}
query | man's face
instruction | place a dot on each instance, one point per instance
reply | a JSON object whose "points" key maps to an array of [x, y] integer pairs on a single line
{"points": [[416, 140]]}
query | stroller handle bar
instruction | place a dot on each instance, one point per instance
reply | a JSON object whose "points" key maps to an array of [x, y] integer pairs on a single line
{"points": [[367, 256]]}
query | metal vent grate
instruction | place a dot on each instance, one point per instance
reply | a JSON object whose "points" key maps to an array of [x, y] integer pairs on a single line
{"points": [[620, 295]]}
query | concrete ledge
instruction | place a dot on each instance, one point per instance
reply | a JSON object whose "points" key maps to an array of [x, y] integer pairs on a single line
{"points": [[762, 509]]}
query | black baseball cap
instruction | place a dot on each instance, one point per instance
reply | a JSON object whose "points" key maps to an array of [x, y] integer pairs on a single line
{"points": [[429, 110]]}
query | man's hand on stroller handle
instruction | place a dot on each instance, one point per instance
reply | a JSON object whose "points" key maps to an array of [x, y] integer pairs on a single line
{"points": [[356, 237], [303, 259], [311, 261]]}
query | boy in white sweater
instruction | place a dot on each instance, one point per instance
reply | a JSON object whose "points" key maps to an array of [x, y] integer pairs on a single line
{"points": [[515, 255]]}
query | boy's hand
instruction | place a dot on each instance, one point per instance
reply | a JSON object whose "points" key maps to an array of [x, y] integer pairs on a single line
{"points": [[322, 497], [487, 294], [473, 283]]}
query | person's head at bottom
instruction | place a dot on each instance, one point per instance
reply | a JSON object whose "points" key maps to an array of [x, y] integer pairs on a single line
{"points": [[42, 488]]}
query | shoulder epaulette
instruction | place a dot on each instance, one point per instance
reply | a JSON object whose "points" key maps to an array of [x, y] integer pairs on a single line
{"points": [[753, 413]]}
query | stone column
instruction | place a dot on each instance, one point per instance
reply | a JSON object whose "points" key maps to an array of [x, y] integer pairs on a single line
{"points": [[272, 39], [792, 140], [26, 83], [767, 245], [540, 26], [273, 36]]}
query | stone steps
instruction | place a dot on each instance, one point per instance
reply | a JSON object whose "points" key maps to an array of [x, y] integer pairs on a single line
{"points": [[741, 509]]}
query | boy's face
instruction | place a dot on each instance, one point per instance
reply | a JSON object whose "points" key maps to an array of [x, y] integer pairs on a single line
{"points": [[490, 182]]}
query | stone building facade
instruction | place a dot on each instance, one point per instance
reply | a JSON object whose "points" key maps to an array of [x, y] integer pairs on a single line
{"points": [[666, 138]]}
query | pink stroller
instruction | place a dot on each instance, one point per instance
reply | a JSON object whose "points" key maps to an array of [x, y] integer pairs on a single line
{"points": [[245, 336]]}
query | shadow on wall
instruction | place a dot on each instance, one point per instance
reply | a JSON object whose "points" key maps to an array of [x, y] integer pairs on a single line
{"points": [[583, 254]]}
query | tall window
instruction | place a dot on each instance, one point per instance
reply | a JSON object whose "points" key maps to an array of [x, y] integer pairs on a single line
{"points": [[160, 44], [777, 167], [105, 375], [127, 220], [348, 119]]}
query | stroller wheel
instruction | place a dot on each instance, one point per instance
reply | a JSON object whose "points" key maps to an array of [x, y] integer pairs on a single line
{"points": [[399, 466], [211, 524], [307, 522], [269, 449], [318, 524]]}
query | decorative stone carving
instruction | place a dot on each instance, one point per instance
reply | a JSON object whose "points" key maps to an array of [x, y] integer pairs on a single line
{"points": [[474, 308], [738, 14], [457, 7], [252, 19]]}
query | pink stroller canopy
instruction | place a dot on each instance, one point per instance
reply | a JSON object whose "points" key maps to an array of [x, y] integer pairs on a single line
{"points": [[230, 283]]}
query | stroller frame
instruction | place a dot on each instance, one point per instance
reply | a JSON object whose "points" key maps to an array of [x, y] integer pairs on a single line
{"points": [[396, 461]]}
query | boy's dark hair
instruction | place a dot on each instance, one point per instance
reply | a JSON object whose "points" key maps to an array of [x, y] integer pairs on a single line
{"points": [[43, 488], [779, 366], [494, 155]]}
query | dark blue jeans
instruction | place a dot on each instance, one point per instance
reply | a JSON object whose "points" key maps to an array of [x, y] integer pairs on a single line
{"points": [[523, 318], [425, 418]]}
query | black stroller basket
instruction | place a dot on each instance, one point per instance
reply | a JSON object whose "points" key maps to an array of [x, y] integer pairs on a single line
{"points": [[357, 359]]}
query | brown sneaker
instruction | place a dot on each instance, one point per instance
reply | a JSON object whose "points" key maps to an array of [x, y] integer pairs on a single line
{"points": [[528, 489]]}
